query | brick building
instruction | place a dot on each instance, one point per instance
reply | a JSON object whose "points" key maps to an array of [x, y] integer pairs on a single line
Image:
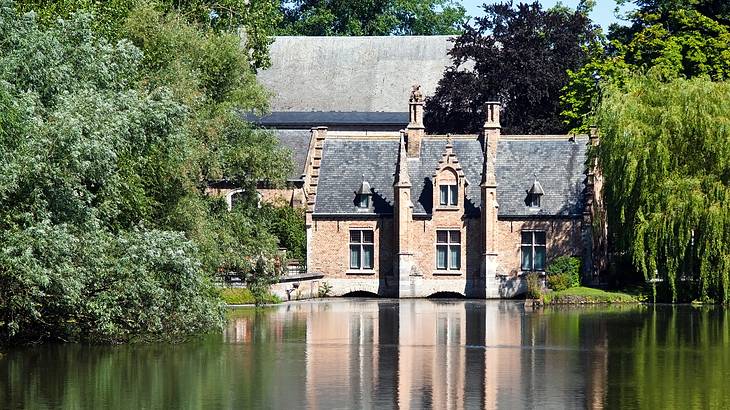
{"points": [[408, 214]]}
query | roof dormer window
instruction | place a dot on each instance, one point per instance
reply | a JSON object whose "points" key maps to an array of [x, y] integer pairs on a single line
{"points": [[362, 195], [534, 194]]}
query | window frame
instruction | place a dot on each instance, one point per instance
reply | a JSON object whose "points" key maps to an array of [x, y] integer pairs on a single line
{"points": [[363, 198], [450, 246], [534, 200], [359, 246], [533, 246], [449, 194]]}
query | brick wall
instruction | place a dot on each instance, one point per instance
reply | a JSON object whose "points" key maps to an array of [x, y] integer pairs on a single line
{"points": [[563, 238], [331, 250]]}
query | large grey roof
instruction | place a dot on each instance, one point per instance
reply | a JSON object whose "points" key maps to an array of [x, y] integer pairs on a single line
{"points": [[365, 74], [559, 165]]}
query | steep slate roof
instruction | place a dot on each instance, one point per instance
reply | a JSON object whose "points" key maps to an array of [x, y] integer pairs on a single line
{"points": [[362, 74], [305, 119], [559, 166], [558, 163], [297, 141]]}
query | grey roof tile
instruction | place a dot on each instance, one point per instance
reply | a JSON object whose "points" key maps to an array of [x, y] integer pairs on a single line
{"points": [[364, 74], [558, 165], [297, 141]]}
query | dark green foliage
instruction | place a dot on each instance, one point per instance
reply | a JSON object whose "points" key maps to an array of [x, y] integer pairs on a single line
{"points": [[563, 273], [665, 157], [287, 224], [371, 17], [673, 38], [517, 55]]}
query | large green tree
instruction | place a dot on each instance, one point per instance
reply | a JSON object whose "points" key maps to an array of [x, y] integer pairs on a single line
{"points": [[665, 159], [519, 55], [106, 234], [371, 17], [256, 19], [674, 38]]}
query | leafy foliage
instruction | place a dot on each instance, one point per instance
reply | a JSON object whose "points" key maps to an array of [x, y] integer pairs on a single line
{"points": [[563, 273], [534, 287], [673, 38], [371, 17], [666, 163], [256, 18], [517, 55], [105, 148]]}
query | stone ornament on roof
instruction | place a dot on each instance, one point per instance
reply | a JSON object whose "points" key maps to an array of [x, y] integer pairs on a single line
{"points": [[416, 93]]}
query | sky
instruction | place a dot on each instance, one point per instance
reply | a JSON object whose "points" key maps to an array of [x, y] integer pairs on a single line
{"points": [[603, 13]]}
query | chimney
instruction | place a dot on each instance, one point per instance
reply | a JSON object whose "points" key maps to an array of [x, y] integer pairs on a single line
{"points": [[415, 129], [492, 131]]}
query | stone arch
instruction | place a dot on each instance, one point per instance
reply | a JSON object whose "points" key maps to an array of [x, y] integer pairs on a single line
{"points": [[360, 294], [447, 294]]}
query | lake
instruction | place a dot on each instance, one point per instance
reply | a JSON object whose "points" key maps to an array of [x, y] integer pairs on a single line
{"points": [[383, 353]]}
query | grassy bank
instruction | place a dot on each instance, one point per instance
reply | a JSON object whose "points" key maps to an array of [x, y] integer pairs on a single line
{"points": [[243, 296], [581, 295]]}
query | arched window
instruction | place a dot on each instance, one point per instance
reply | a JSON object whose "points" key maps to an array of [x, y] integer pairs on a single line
{"points": [[448, 188]]}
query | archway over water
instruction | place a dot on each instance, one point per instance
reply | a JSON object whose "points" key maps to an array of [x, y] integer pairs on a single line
{"points": [[446, 295], [360, 294]]}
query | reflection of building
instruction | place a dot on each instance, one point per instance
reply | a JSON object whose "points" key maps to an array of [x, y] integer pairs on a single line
{"points": [[428, 354]]}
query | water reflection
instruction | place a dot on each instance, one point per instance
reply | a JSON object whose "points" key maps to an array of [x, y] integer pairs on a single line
{"points": [[398, 354]]}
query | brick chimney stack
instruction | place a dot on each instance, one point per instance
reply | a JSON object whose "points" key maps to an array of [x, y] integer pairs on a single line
{"points": [[415, 129], [490, 206]]}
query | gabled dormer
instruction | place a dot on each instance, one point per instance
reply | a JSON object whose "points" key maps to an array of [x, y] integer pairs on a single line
{"points": [[449, 182], [364, 196], [534, 194]]}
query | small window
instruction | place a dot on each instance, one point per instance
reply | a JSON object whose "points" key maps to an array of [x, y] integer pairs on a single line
{"points": [[448, 250], [534, 200], [533, 250], [449, 195], [362, 249], [363, 201]]}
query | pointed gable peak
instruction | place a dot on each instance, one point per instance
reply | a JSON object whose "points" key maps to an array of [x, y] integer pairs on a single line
{"points": [[449, 159], [536, 188], [402, 178]]}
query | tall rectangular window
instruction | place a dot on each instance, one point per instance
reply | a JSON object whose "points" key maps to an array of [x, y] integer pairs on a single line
{"points": [[533, 250], [449, 195], [362, 249], [448, 250]]}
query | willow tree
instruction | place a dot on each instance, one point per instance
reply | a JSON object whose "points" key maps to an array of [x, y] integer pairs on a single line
{"points": [[665, 155]]}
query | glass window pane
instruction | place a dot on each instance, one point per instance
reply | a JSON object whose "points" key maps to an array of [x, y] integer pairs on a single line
{"points": [[454, 236], [539, 258], [442, 236], [368, 256], [540, 238], [441, 256], [367, 236], [455, 257], [363, 201], [354, 236], [354, 256], [526, 238], [443, 194], [453, 194], [526, 258]]}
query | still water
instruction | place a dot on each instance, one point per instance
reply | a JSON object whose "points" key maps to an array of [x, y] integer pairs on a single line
{"points": [[362, 353]]}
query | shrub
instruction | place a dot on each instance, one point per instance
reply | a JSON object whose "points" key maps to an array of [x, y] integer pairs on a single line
{"points": [[558, 282], [534, 287], [563, 273]]}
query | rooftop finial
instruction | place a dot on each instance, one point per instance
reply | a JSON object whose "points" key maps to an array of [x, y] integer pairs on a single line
{"points": [[416, 93]]}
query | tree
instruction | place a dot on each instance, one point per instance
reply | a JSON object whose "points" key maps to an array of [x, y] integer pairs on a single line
{"points": [[665, 158], [371, 17], [517, 55], [674, 38], [256, 18]]}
